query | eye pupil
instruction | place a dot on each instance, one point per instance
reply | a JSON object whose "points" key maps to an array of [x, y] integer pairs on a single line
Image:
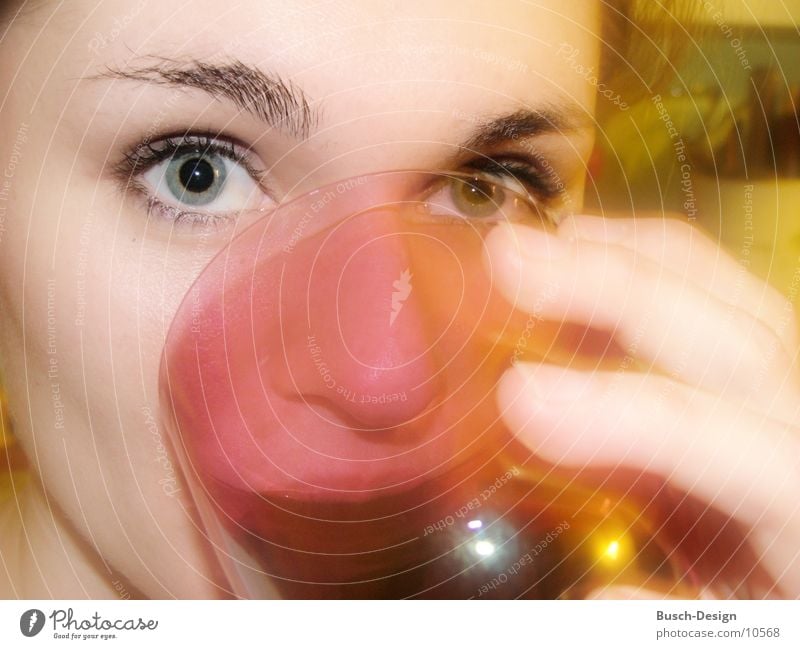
{"points": [[196, 178], [197, 175]]}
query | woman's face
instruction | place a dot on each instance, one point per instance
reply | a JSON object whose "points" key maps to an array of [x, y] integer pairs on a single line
{"points": [[97, 249]]}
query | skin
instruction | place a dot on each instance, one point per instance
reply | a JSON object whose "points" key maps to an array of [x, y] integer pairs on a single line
{"points": [[101, 513]]}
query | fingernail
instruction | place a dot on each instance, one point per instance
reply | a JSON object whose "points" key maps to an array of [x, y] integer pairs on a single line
{"points": [[531, 243]]}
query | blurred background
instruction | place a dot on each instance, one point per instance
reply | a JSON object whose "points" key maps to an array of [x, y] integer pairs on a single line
{"points": [[719, 140]]}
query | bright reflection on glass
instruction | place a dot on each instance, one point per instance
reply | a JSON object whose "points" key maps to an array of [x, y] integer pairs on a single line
{"points": [[484, 548], [475, 525], [612, 551]]}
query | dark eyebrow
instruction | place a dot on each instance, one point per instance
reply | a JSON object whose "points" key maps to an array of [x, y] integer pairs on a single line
{"points": [[273, 100], [526, 123]]}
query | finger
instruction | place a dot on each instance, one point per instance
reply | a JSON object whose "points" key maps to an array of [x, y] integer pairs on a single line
{"points": [[733, 458], [695, 257], [652, 313]]}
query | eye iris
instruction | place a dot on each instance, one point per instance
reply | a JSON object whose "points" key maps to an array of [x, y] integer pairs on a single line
{"points": [[197, 175], [196, 178], [476, 197]]}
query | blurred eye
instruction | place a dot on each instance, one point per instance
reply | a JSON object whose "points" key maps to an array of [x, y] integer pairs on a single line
{"points": [[196, 179], [473, 196], [476, 198]]}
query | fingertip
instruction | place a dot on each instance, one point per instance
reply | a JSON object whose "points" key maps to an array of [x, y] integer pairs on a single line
{"points": [[513, 385], [527, 414]]}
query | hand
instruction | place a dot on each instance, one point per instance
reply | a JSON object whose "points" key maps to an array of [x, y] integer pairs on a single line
{"points": [[708, 396]]}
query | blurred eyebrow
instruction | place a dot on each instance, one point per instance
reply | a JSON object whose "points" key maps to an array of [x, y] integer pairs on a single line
{"points": [[271, 99], [526, 123]]}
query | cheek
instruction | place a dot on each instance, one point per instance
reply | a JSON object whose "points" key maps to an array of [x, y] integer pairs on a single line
{"points": [[84, 314], [130, 299]]}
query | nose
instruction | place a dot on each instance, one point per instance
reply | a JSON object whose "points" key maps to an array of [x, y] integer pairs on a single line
{"points": [[356, 343]]}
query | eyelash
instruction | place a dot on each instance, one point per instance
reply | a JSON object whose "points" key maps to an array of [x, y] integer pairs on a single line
{"points": [[542, 187], [144, 155]]}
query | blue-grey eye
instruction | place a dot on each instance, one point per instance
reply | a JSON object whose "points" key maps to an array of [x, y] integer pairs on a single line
{"points": [[196, 178], [202, 182]]}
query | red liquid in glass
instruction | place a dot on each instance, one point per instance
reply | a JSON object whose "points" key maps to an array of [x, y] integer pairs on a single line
{"points": [[496, 531]]}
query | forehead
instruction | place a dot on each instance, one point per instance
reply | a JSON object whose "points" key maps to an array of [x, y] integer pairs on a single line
{"points": [[478, 48]]}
